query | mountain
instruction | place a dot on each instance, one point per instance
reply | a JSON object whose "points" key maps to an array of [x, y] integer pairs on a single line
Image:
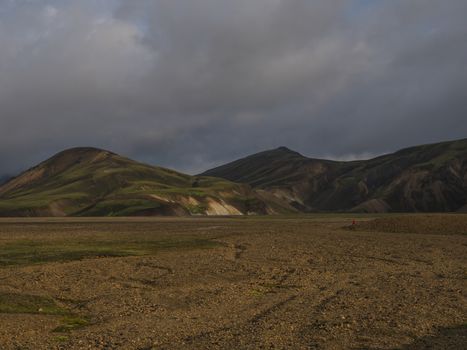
{"points": [[427, 178], [94, 182]]}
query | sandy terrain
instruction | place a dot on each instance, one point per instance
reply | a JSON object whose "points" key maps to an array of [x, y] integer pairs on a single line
{"points": [[265, 283]]}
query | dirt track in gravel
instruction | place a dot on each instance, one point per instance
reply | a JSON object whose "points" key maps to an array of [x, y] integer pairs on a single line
{"points": [[278, 283]]}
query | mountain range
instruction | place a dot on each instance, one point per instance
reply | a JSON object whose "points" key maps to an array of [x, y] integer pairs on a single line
{"points": [[94, 182]]}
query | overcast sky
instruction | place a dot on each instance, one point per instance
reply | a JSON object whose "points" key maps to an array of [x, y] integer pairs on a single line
{"points": [[190, 84]]}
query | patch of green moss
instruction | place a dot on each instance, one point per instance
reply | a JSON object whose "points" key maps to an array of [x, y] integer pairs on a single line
{"points": [[29, 304], [122, 207], [184, 191], [61, 338], [37, 252], [71, 323], [12, 303], [198, 209]]}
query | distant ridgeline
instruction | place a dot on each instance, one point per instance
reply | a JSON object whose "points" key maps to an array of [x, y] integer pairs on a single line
{"points": [[427, 178], [94, 182]]}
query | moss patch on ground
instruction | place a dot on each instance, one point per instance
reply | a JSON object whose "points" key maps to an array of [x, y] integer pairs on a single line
{"points": [[70, 323], [12, 303], [37, 252], [29, 304]]}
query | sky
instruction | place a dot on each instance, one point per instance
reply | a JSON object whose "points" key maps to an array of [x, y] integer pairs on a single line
{"points": [[191, 84]]}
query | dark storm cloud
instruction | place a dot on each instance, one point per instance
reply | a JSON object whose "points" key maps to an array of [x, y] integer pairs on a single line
{"points": [[190, 84]]}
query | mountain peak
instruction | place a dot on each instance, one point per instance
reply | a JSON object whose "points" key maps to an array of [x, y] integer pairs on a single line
{"points": [[59, 163], [75, 155], [81, 151], [257, 165], [284, 149], [281, 151]]}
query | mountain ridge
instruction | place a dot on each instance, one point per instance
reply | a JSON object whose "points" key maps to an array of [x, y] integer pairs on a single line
{"points": [[87, 181], [390, 182]]}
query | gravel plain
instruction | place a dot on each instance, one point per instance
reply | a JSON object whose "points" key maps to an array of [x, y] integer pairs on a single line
{"points": [[305, 282]]}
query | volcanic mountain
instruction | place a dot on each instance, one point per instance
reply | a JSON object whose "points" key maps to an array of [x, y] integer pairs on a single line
{"points": [[94, 182], [427, 178]]}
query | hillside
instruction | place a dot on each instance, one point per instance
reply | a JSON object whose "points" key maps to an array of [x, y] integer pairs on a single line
{"points": [[428, 178], [94, 182]]}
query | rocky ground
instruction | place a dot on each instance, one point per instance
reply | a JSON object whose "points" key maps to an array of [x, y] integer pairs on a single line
{"points": [[264, 283]]}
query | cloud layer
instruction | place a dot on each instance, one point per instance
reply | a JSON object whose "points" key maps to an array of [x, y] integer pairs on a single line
{"points": [[191, 84]]}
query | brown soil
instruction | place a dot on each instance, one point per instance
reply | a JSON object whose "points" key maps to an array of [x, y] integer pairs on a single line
{"points": [[439, 224], [270, 283]]}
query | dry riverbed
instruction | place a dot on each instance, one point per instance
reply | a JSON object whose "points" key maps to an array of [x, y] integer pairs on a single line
{"points": [[307, 282]]}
